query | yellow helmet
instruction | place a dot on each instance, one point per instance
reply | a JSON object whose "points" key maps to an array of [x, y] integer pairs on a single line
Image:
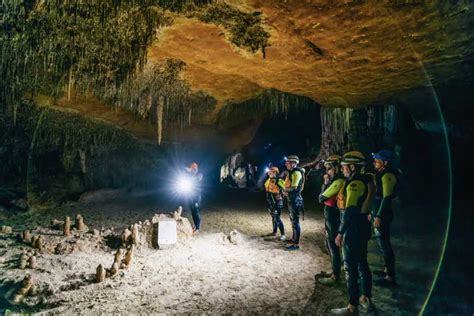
{"points": [[353, 158], [293, 158], [332, 161], [274, 169]]}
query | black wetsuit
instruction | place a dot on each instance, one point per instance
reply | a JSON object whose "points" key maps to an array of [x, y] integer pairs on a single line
{"points": [[356, 231], [383, 209], [332, 220], [195, 199], [275, 203], [296, 204]]}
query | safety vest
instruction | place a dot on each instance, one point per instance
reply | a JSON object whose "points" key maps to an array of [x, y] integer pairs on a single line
{"points": [[367, 205], [364, 202], [341, 198], [287, 180], [300, 186], [392, 177], [273, 185], [332, 200]]}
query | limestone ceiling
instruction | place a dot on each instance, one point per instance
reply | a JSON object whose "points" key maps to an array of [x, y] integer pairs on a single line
{"points": [[349, 53]]}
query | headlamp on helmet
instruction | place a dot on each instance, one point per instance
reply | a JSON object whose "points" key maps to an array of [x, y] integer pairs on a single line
{"points": [[353, 158]]}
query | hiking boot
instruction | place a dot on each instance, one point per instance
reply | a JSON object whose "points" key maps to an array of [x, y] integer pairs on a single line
{"points": [[195, 231], [282, 237], [322, 274], [329, 281], [293, 247], [345, 311], [366, 304]]}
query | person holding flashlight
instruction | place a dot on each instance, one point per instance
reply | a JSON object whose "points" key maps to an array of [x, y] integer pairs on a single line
{"points": [[195, 195]]}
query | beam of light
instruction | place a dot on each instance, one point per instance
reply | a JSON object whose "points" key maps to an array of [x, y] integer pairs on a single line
{"points": [[184, 185]]}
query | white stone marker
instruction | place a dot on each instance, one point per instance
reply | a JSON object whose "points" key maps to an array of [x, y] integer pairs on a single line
{"points": [[167, 233]]}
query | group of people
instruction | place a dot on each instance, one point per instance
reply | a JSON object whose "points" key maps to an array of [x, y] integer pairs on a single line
{"points": [[289, 185], [355, 200]]}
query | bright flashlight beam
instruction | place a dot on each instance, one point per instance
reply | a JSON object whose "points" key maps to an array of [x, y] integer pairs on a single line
{"points": [[184, 185]]}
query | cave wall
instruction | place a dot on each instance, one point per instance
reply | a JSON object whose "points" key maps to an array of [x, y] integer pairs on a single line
{"points": [[366, 129], [50, 156]]}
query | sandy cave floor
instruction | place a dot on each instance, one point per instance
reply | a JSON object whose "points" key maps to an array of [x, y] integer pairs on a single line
{"points": [[199, 275]]}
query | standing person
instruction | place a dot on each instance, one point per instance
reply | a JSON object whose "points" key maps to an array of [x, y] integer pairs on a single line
{"points": [[354, 232], [295, 199], [195, 195], [386, 180], [333, 182], [274, 187]]}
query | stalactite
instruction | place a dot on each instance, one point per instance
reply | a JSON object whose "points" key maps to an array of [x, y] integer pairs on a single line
{"points": [[335, 125], [382, 123], [69, 85], [82, 157], [15, 112], [159, 119], [190, 112]]}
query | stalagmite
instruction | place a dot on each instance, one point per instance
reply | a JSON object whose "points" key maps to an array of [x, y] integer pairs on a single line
{"points": [[100, 274], [6, 229], [67, 227], [39, 244], [32, 262], [118, 256], [128, 257], [135, 234], [26, 236], [126, 236], [27, 285], [33, 241], [80, 223], [114, 269], [23, 261], [177, 213]]}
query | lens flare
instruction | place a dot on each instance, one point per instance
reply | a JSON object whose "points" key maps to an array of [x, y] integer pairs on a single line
{"points": [[184, 185]]}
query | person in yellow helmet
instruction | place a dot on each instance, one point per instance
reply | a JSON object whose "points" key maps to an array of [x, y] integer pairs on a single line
{"points": [[354, 232], [274, 187], [195, 196], [295, 185], [333, 182]]}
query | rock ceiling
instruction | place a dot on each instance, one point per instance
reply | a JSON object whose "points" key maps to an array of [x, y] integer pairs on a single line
{"points": [[339, 53]]}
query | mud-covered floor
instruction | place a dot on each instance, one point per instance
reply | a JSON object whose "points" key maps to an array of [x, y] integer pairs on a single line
{"points": [[204, 274]]}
